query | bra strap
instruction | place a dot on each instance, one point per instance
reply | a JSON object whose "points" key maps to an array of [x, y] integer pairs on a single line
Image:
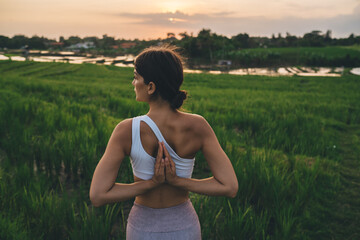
{"points": [[153, 127]]}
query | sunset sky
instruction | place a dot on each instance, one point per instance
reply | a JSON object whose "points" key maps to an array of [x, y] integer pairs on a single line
{"points": [[152, 19]]}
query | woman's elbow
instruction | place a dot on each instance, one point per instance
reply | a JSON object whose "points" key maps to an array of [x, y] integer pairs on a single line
{"points": [[233, 189], [96, 203], [95, 199]]}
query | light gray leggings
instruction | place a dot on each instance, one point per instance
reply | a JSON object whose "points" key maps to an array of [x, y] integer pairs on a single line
{"points": [[173, 223]]}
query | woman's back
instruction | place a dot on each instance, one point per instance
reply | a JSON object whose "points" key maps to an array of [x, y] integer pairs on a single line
{"points": [[162, 184], [181, 132]]}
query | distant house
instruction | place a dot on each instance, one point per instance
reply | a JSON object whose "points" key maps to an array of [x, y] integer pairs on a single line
{"points": [[85, 45], [224, 62], [56, 44], [115, 47], [127, 45]]}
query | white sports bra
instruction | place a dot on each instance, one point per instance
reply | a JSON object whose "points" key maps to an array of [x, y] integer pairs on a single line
{"points": [[143, 164]]}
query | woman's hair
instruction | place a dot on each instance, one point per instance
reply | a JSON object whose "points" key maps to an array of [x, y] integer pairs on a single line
{"points": [[163, 66]]}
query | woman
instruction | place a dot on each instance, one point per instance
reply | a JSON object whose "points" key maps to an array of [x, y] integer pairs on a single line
{"points": [[162, 146]]}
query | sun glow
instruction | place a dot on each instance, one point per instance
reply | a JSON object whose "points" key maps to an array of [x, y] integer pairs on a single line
{"points": [[174, 20]]}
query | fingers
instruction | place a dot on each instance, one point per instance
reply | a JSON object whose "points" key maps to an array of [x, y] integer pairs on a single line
{"points": [[160, 151], [167, 167], [161, 169], [166, 153], [158, 158], [172, 165]]}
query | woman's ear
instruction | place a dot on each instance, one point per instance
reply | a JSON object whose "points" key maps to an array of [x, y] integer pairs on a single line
{"points": [[151, 88]]}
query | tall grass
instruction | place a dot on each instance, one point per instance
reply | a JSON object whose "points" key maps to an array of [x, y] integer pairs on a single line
{"points": [[281, 134]]}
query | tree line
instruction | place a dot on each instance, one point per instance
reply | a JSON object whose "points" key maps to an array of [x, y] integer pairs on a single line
{"points": [[195, 45], [206, 47]]}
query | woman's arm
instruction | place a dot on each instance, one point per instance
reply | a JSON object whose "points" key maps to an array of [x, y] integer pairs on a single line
{"points": [[103, 188], [223, 182]]}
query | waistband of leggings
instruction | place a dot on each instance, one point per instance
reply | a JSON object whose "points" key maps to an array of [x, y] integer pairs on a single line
{"points": [[187, 202], [168, 219]]}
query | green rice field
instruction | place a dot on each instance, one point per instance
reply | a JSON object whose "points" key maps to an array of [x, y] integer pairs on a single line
{"points": [[331, 56], [294, 143]]}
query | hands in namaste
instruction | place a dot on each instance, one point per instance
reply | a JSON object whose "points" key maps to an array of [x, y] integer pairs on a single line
{"points": [[164, 170]]}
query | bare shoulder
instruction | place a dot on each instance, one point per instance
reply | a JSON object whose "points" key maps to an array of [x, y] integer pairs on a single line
{"points": [[191, 117], [124, 127], [122, 134], [197, 122]]}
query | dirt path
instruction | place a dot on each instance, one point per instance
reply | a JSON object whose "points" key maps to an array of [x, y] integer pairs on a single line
{"points": [[346, 215]]}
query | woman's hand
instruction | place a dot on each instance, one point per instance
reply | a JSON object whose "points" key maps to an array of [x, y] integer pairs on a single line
{"points": [[170, 170], [104, 189], [159, 172]]}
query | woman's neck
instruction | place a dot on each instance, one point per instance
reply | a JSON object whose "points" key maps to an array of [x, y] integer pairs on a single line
{"points": [[161, 108]]}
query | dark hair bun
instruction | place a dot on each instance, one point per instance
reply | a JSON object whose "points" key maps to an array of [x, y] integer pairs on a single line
{"points": [[179, 99], [163, 66]]}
